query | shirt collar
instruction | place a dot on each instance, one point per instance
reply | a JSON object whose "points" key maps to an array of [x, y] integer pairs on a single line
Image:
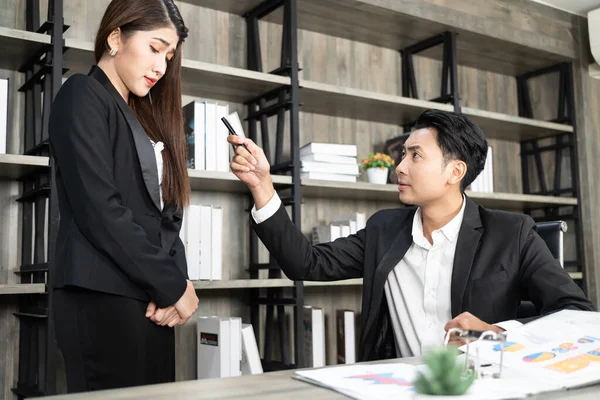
{"points": [[450, 230]]}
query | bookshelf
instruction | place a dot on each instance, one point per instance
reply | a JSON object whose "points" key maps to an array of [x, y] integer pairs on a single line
{"points": [[22, 288], [13, 167], [349, 93]]}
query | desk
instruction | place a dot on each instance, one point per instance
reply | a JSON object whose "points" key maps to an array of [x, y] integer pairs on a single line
{"points": [[269, 386]]}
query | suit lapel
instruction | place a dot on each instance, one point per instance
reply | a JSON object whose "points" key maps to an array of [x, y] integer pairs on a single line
{"points": [[388, 262], [143, 146], [466, 247]]}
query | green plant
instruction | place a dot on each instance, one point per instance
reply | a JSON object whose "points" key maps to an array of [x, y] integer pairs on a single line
{"points": [[444, 376], [377, 160]]}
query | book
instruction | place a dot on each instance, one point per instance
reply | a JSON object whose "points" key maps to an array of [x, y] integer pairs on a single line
{"points": [[235, 351], [347, 150], [346, 338], [195, 127], [330, 158], [251, 364], [3, 115], [321, 176], [327, 168], [214, 344], [314, 336]]}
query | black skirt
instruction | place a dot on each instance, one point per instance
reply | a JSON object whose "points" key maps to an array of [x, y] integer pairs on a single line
{"points": [[107, 342]]}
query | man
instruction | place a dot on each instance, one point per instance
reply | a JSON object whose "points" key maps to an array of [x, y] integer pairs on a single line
{"points": [[445, 262]]}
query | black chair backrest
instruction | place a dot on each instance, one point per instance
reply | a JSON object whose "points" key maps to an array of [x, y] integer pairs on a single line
{"points": [[552, 233]]}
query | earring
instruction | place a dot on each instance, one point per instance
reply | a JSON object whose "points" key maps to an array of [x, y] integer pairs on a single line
{"points": [[113, 51], [149, 97]]}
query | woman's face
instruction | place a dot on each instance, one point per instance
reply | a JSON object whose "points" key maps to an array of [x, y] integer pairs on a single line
{"points": [[142, 58]]}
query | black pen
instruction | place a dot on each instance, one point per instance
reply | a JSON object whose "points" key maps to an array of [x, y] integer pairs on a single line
{"points": [[232, 132]]}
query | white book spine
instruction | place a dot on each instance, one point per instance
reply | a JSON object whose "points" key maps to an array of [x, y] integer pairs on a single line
{"points": [[349, 339], [345, 230], [251, 364], [330, 158], [3, 115], [318, 332], [347, 150], [490, 169], [335, 232], [200, 140], [326, 168], [235, 355], [205, 241], [211, 137], [222, 144], [193, 242], [328, 177], [217, 244], [361, 220], [213, 342]]}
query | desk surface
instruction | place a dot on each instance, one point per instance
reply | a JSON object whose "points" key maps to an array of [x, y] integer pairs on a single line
{"points": [[268, 386]]}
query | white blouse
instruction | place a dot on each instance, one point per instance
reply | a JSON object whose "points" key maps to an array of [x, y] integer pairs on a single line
{"points": [[158, 148]]}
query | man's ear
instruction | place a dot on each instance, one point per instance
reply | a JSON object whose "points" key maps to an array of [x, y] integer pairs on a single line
{"points": [[458, 170], [114, 39]]}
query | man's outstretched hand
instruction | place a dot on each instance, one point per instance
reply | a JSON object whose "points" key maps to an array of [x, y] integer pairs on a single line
{"points": [[468, 321]]}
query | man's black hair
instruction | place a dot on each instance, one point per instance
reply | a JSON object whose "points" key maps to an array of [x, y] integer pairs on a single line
{"points": [[459, 139]]}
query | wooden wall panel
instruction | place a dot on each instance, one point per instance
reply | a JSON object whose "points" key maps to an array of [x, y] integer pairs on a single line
{"points": [[587, 104], [9, 259]]}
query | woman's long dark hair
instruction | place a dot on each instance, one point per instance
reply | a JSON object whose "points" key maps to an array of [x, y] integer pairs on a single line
{"points": [[162, 118]]}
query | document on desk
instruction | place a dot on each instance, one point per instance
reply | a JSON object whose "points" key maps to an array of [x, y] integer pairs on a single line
{"points": [[562, 350], [395, 381], [553, 353]]}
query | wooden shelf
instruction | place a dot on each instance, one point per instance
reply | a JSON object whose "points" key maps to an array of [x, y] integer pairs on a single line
{"points": [[389, 193], [286, 283], [22, 288], [14, 166], [509, 127], [239, 85], [345, 102], [200, 79], [225, 181], [397, 26], [338, 101], [265, 283], [19, 46], [576, 275]]}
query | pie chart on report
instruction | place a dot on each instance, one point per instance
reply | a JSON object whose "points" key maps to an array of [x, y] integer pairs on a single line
{"points": [[539, 357]]}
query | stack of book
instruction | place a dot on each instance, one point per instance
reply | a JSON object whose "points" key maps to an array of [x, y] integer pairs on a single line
{"points": [[226, 347], [329, 162], [339, 227], [202, 236], [206, 136]]}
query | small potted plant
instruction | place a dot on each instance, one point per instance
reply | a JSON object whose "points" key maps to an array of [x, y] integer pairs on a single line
{"points": [[443, 375], [377, 166]]}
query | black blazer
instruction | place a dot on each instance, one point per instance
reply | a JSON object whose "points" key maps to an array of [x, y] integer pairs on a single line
{"points": [[112, 237], [499, 260]]}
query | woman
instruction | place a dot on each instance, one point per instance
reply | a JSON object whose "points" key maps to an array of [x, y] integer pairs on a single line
{"points": [[119, 274]]}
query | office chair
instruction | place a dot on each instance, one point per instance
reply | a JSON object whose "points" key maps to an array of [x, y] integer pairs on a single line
{"points": [[552, 233]]}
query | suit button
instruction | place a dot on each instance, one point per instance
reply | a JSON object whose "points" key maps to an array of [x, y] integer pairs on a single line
{"points": [[172, 252]]}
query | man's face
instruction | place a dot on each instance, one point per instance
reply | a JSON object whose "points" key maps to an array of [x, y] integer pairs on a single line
{"points": [[423, 175]]}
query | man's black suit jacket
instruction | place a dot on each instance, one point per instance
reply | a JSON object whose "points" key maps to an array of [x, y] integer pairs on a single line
{"points": [[499, 260], [113, 236]]}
